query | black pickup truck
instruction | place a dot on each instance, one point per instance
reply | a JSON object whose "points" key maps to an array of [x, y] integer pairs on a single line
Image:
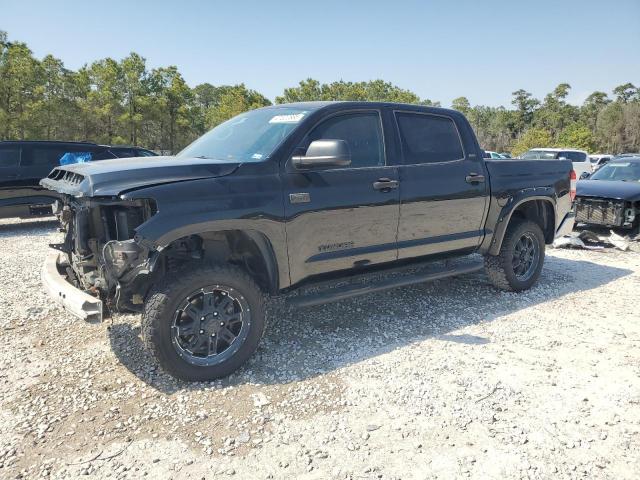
{"points": [[293, 199]]}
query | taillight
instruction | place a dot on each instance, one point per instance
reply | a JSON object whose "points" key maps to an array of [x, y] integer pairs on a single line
{"points": [[573, 180]]}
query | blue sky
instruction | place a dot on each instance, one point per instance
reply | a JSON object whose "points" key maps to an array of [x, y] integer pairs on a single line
{"points": [[483, 50]]}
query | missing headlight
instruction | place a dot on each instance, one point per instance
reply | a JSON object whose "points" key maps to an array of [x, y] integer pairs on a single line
{"points": [[119, 256]]}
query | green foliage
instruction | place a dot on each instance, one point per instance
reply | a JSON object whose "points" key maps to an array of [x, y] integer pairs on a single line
{"points": [[533, 138], [135, 89], [593, 105], [610, 127], [111, 101], [631, 120], [626, 93], [525, 106], [372, 91], [598, 125], [577, 136], [233, 101], [461, 104], [308, 90], [555, 114], [20, 75]]}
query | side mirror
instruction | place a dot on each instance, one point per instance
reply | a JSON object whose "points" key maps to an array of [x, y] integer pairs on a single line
{"points": [[485, 154], [584, 175], [324, 153]]}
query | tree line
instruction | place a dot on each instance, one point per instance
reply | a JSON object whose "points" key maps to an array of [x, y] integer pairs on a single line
{"points": [[601, 124], [125, 102]]}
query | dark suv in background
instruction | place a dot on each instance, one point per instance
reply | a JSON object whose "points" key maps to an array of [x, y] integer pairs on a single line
{"points": [[24, 163]]}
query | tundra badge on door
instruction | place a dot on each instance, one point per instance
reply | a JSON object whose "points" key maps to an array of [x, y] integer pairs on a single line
{"points": [[299, 197]]}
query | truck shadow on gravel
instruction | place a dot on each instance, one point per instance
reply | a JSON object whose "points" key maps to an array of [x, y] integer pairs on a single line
{"points": [[300, 344]]}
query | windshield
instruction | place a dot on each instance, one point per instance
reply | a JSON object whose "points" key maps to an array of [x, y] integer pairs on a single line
{"points": [[622, 171], [539, 155], [250, 137]]}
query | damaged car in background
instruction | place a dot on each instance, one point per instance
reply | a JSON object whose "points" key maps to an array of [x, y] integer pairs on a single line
{"points": [[610, 197]]}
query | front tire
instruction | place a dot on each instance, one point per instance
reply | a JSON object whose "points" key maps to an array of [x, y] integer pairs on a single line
{"points": [[203, 322], [518, 265]]}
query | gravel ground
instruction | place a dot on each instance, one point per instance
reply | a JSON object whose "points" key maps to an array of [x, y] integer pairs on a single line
{"points": [[450, 379]]}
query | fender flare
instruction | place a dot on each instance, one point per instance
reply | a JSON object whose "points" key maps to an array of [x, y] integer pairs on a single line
{"points": [[268, 255], [505, 214], [277, 271]]}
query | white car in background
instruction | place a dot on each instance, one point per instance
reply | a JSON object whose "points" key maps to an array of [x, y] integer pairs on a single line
{"points": [[579, 158], [599, 160], [490, 154], [582, 166]]}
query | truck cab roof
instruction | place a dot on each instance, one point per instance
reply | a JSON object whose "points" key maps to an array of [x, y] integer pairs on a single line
{"points": [[349, 104]]}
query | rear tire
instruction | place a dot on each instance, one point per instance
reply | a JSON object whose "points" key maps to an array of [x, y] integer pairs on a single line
{"points": [[518, 265], [202, 322]]}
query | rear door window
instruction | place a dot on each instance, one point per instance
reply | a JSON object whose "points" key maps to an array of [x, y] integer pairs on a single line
{"points": [[428, 138], [9, 156]]}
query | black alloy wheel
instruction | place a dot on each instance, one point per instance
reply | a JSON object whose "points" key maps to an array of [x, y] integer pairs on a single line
{"points": [[525, 256], [519, 263], [210, 324], [203, 321]]}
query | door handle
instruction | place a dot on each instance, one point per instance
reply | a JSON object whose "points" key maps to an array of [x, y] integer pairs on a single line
{"points": [[385, 184], [474, 178]]}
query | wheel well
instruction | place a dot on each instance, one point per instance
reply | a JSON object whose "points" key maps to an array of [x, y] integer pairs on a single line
{"points": [[540, 212], [250, 250]]}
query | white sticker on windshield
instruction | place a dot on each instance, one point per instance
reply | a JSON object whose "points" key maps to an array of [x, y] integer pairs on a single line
{"points": [[294, 118], [619, 164], [256, 156]]}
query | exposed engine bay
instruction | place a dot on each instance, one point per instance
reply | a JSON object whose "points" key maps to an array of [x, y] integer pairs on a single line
{"points": [[106, 258], [103, 255]]}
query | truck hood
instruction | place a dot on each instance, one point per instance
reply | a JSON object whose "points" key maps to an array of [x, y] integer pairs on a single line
{"points": [[609, 189], [117, 176]]}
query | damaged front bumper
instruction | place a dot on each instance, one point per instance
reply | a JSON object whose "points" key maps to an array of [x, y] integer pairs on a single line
{"points": [[72, 299]]}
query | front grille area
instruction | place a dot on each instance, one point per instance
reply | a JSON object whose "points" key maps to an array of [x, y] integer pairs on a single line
{"points": [[599, 211], [66, 176]]}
